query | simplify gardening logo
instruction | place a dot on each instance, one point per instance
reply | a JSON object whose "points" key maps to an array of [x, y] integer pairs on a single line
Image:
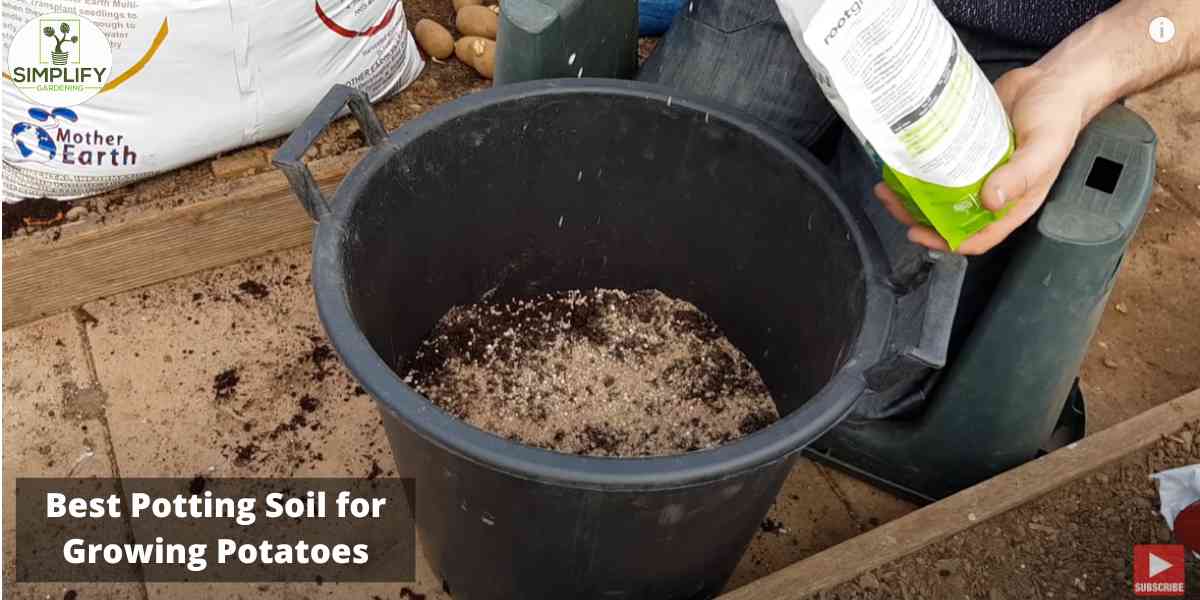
{"points": [[60, 59]]}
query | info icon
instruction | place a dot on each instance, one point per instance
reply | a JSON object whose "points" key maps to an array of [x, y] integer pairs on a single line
{"points": [[1158, 570]]}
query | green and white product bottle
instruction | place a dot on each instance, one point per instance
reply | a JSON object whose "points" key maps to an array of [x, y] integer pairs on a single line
{"points": [[902, 80]]}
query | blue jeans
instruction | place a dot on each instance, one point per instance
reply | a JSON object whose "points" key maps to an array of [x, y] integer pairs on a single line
{"points": [[740, 53]]}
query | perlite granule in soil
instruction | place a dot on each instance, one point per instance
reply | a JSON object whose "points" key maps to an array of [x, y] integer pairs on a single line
{"points": [[598, 372]]}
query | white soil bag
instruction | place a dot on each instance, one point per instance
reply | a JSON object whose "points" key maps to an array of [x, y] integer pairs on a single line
{"points": [[193, 78]]}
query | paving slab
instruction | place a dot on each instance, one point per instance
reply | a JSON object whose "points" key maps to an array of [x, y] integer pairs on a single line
{"points": [[869, 506], [228, 374], [808, 516], [53, 427]]}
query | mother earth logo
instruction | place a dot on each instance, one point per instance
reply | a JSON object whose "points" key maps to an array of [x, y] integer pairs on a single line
{"points": [[56, 135], [60, 59]]}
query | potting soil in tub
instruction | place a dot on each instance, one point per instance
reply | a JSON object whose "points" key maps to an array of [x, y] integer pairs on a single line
{"points": [[597, 372]]}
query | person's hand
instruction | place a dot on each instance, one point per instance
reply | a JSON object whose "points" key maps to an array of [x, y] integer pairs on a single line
{"points": [[1047, 116]]}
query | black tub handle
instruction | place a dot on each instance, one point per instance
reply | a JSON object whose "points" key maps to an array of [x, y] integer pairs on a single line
{"points": [[927, 288], [290, 157]]}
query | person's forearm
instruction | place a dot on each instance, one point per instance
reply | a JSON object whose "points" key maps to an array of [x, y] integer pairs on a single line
{"points": [[1114, 56]]}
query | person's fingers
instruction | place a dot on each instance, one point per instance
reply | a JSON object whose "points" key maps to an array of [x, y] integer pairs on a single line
{"points": [[1041, 151], [993, 234], [893, 204], [920, 234], [1046, 123]]}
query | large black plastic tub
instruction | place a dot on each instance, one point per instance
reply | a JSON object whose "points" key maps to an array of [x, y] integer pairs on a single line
{"points": [[566, 184]]}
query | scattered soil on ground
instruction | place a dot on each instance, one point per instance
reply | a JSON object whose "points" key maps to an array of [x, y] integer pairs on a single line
{"points": [[599, 373], [254, 289], [1077, 542], [225, 384]]}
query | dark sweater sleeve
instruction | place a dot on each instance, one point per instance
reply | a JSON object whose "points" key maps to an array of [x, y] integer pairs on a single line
{"points": [[1034, 22]]}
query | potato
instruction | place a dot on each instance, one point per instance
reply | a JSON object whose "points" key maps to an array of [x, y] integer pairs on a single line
{"points": [[478, 21], [477, 52], [458, 4], [434, 39]]}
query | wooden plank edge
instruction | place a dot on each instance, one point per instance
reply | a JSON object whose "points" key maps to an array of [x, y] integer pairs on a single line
{"points": [[326, 171], [971, 507], [254, 197]]}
